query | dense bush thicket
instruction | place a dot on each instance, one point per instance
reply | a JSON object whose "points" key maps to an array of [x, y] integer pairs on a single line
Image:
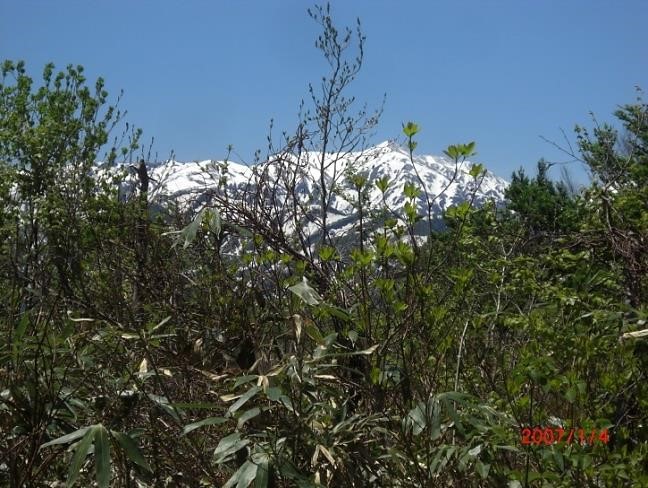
{"points": [[136, 351]]}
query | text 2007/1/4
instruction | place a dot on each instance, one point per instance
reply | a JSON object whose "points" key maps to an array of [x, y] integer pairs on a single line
{"points": [[539, 435]]}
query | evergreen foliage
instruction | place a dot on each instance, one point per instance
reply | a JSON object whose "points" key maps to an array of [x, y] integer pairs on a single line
{"points": [[541, 204]]}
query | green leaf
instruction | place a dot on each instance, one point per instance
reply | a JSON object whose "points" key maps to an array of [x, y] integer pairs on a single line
{"points": [[244, 398], [132, 451], [241, 230], [228, 446], [336, 312], [361, 258], [274, 393], [241, 380], [571, 394], [444, 454], [194, 405], [330, 339], [327, 253], [410, 190], [435, 429], [375, 375], [202, 423], [411, 212], [277, 395], [263, 471], [559, 460], [455, 396], [102, 455], [452, 152], [416, 418], [410, 129], [189, 232], [382, 183], [359, 181], [67, 438], [353, 335], [476, 170], [304, 291], [313, 332], [475, 450], [366, 352], [19, 334], [247, 415], [160, 324], [482, 469], [243, 477], [507, 448], [163, 403], [80, 454], [452, 412], [214, 221], [581, 386]]}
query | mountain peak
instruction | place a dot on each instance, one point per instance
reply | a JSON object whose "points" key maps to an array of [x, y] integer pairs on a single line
{"points": [[389, 145], [196, 183]]}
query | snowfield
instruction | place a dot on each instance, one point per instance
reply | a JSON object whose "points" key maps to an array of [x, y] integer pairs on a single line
{"points": [[194, 184]]}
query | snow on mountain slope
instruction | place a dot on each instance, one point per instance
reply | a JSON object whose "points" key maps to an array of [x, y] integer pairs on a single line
{"points": [[194, 183]]}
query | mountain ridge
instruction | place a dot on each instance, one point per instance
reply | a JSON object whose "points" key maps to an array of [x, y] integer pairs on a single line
{"points": [[198, 183]]}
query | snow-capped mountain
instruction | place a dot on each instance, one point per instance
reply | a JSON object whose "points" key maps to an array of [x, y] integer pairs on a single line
{"points": [[270, 183]]}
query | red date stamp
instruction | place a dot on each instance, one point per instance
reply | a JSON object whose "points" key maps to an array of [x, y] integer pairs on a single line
{"points": [[536, 436]]}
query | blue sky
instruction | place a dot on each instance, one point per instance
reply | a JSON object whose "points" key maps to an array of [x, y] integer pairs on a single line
{"points": [[199, 75]]}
